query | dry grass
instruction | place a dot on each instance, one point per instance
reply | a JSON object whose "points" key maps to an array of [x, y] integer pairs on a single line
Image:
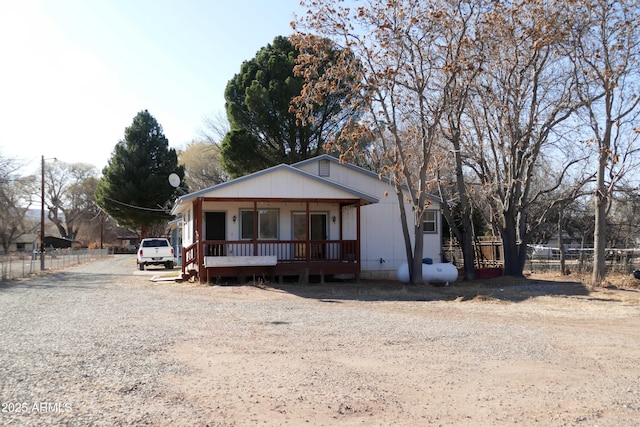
{"points": [[612, 280], [497, 289]]}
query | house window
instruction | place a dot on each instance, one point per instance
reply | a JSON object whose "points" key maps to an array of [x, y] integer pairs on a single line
{"points": [[323, 168], [20, 247], [267, 224], [430, 222]]}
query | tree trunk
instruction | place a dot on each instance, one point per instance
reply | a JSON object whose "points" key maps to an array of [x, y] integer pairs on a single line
{"points": [[563, 264], [465, 239], [418, 250], [61, 230], [466, 233], [511, 258], [515, 254], [414, 276], [601, 198], [599, 238], [466, 243]]}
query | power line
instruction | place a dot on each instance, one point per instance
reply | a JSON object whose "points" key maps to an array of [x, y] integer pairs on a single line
{"points": [[137, 207]]}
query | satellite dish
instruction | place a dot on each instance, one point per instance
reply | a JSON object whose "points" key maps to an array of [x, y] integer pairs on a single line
{"points": [[174, 180]]}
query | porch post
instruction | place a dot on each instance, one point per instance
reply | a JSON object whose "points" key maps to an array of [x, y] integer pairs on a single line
{"points": [[358, 239], [308, 243], [197, 231], [255, 228], [340, 220]]}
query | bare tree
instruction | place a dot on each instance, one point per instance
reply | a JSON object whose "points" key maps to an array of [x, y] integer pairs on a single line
{"points": [[16, 197], [623, 219], [467, 56], [202, 167], [215, 128], [69, 195], [523, 96], [405, 72], [606, 53]]}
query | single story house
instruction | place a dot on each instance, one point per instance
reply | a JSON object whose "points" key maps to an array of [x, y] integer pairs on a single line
{"points": [[318, 216], [23, 243]]}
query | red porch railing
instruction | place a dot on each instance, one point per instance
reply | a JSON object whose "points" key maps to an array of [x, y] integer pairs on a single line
{"points": [[288, 252], [285, 250], [190, 257]]}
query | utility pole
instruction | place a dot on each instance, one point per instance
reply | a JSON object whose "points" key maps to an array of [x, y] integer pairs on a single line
{"points": [[42, 219]]}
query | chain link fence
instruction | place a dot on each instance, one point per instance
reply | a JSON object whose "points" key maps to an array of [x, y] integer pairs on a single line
{"points": [[24, 264]]}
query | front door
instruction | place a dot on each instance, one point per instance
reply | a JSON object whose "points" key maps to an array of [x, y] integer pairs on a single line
{"points": [[317, 231], [318, 224], [215, 229], [300, 234]]}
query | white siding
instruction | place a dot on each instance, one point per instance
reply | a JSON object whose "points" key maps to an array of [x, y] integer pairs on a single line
{"points": [[281, 183], [285, 212], [187, 227], [381, 232]]}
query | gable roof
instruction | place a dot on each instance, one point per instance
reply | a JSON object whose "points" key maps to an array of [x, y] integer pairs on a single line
{"points": [[282, 168], [338, 162], [358, 169]]}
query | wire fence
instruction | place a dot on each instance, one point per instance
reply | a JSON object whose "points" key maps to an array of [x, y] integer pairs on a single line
{"points": [[24, 264], [613, 265], [489, 254]]}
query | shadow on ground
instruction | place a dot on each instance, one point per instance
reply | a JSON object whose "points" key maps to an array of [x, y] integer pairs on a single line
{"points": [[501, 288], [58, 280]]}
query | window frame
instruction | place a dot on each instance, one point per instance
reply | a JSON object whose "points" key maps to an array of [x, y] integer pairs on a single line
{"points": [[248, 214], [324, 168], [433, 221]]}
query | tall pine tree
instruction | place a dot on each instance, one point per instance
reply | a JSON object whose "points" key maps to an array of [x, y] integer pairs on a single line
{"points": [[265, 129], [135, 187]]}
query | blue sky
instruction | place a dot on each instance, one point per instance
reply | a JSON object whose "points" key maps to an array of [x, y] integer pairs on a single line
{"points": [[74, 73]]}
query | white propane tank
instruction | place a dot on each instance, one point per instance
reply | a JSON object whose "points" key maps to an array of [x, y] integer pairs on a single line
{"points": [[439, 272]]}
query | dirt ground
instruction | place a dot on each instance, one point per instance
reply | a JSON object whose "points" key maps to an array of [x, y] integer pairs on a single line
{"points": [[101, 344], [545, 350]]}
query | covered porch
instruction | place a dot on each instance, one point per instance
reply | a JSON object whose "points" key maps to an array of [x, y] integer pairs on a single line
{"points": [[273, 238]]}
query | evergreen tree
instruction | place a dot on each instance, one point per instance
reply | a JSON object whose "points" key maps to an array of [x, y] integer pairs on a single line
{"points": [[134, 188], [265, 130]]}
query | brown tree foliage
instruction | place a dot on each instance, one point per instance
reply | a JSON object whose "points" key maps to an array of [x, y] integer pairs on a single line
{"points": [[524, 93], [403, 70], [478, 96]]}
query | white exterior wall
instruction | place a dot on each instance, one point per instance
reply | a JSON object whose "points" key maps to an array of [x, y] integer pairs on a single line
{"points": [[285, 220], [281, 183], [187, 227], [277, 184], [381, 229]]}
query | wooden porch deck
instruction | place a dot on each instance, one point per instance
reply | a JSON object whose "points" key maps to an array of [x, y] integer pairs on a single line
{"points": [[294, 257]]}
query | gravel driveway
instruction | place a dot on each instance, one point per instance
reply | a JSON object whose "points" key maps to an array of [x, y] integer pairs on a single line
{"points": [[100, 344]]}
